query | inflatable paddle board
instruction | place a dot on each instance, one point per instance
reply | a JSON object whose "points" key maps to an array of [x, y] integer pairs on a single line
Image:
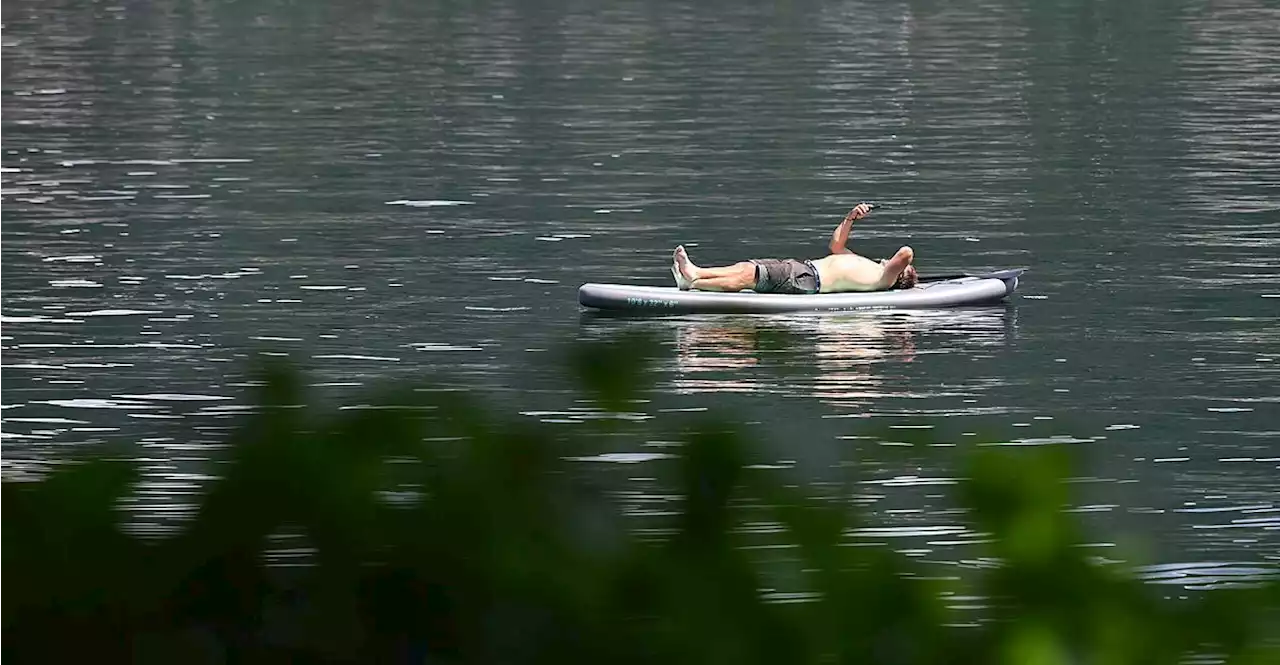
{"points": [[928, 293]]}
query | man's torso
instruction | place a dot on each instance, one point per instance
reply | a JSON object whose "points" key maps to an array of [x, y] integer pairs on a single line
{"points": [[848, 272]]}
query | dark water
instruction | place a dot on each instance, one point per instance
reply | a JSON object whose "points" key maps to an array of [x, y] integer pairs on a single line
{"points": [[400, 189]]}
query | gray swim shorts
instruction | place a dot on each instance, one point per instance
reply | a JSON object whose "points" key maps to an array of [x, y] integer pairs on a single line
{"points": [[786, 276]]}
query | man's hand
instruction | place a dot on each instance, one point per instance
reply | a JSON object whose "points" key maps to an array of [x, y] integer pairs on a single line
{"points": [[859, 211]]}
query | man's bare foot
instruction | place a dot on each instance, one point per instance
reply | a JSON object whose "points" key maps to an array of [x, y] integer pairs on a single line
{"points": [[683, 269], [681, 283]]}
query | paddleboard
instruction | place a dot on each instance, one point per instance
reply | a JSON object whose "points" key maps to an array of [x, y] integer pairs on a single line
{"points": [[928, 293]]}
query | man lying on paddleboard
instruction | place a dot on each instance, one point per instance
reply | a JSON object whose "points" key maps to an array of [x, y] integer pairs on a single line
{"points": [[840, 271]]}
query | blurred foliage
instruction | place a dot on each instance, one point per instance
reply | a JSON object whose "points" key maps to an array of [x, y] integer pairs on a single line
{"points": [[440, 532]]}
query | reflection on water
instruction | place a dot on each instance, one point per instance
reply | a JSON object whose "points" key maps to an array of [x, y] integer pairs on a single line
{"points": [[836, 357]]}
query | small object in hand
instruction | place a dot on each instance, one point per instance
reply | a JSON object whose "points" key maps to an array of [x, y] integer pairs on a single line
{"points": [[859, 211]]}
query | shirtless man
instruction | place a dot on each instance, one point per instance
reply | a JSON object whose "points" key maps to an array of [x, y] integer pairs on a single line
{"points": [[842, 270]]}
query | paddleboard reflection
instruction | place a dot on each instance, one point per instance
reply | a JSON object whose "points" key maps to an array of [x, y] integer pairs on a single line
{"points": [[831, 356]]}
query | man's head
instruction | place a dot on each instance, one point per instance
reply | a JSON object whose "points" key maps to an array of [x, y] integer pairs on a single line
{"points": [[907, 279]]}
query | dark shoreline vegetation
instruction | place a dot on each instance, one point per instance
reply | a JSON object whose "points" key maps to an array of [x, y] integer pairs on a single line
{"points": [[442, 532]]}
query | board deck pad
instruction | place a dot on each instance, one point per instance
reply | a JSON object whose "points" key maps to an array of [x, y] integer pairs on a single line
{"points": [[935, 293]]}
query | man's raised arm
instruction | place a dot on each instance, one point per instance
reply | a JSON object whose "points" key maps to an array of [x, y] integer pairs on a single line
{"points": [[841, 235]]}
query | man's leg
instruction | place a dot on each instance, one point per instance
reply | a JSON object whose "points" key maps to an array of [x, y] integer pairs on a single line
{"points": [[737, 277]]}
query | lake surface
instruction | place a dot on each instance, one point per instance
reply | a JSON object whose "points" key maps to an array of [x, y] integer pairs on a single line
{"points": [[406, 190]]}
